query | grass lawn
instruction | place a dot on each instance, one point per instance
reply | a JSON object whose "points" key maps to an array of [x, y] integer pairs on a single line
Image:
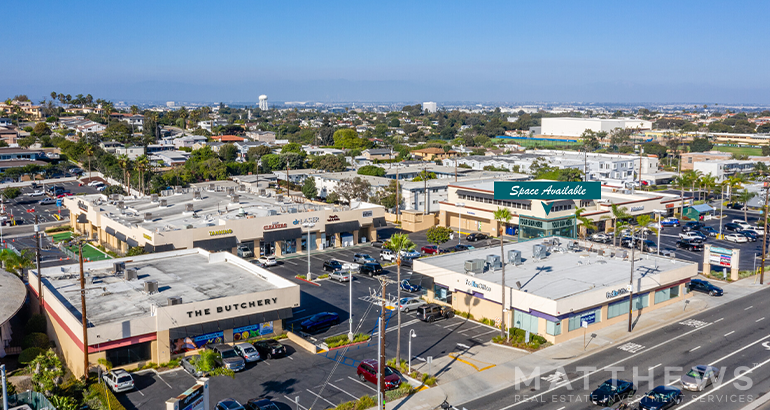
{"points": [[61, 236], [91, 253], [740, 150]]}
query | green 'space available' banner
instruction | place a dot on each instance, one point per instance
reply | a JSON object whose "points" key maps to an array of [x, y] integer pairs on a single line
{"points": [[547, 191]]}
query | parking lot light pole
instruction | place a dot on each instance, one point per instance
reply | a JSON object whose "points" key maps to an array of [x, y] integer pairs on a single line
{"points": [[411, 335], [460, 222], [764, 237], [349, 267], [308, 225]]}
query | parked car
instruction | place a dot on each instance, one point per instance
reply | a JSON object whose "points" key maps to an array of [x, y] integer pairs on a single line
{"points": [[692, 226], [690, 244], [228, 358], [47, 201], [189, 367], [757, 230], [247, 352], [736, 238], [37, 192], [244, 251], [741, 222], [270, 348], [64, 194], [95, 182], [460, 248], [732, 227], [409, 304], [410, 254], [266, 261], [601, 238], [736, 205], [612, 391], [648, 246], [669, 222], [689, 235], [429, 249], [378, 244], [476, 237], [229, 404], [118, 380], [669, 253], [407, 262], [368, 369], [700, 285], [709, 231], [387, 255], [260, 404], [409, 287], [432, 312], [320, 321], [750, 235], [699, 377], [370, 269], [340, 276], [661, 398], [332, 265], [363, 258]]}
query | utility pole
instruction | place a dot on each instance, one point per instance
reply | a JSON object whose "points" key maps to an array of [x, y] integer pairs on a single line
{"points": [[425, 187], [83, 307], [398, 186], [764, 238], [288, 191], [381, 352], [641, 150], [37, 260], [631, 285]]}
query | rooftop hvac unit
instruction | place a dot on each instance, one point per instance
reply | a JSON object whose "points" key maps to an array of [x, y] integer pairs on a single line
{"points": [[154, 198], [235, 199], [493, 262], [197, 196], [514, 257], [272, 212], [279, 198], [212, 187], [130, 274], [539, 251], [242, 187], [178, 190], [150, 287], [262, 192], [174, 300], [147, 216], [474, 266], [163, 203], [230, 190], [120, 204], [114, 197], [188, 208], [119, 267]]}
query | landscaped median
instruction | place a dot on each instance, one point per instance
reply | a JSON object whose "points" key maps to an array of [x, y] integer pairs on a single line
{"points": [[335, 342], [516, 336]]}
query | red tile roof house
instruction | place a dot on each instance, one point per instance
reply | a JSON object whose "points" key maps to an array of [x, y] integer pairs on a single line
{"points": [[228, 138]]}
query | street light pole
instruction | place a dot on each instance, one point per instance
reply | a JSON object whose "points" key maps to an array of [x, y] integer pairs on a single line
{"points": [[764, 237], [460, 222], [411, 335], [308, 225], [83, 307], [350, 267], [631, 285]]}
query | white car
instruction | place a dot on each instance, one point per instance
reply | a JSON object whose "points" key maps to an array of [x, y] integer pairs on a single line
{"points": [[265, 261], [95, 182], [689, 235], [341, 276], [757, 230], [743, 224], [37, 192], [409, 304], [387, 255], [119, 380], [736, 237]]}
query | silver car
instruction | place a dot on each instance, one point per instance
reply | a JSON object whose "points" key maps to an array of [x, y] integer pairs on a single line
{"points": [[409, 304], [342, 276], [363, 258], [247, 352], [699, 377]]}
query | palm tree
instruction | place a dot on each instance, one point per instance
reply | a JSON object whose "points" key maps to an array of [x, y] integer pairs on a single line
{"points": [[123, 162], [502, 215], [89, 151], [142, 165], [618, 214], [681, 182], [584, 222], [733, 182], [16, 263], [744, 197], [692, 178], [134, 110], [399, 242], [709, 182]]}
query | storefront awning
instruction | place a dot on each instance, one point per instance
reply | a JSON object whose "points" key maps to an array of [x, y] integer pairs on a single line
{"points": [[282, 235], [702, 208], [132, 243], [109, 230], [349, 226], [121, 237], [379, 222], [150, 248], [219, 325], [217, 244], [490, 197]]}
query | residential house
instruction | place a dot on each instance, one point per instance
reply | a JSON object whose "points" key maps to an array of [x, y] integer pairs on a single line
{"points": [[189, 141], [13, 154], [433, 153], [110, 146], [378, 154], [207, 125], [319, 151], [5, 122], [132, 152], [9, 135], [228, 138], [262, 136], [172, 158]]}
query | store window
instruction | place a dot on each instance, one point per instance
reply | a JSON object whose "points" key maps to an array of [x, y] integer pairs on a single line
{"points": [[553, 328], [312, 242], [666, 294], [129, 354], [288, 247], [525, 321], [442, 294], [591, 316], [621, 307]]}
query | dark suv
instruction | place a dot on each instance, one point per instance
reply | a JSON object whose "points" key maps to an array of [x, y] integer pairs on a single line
{"points": [[699, 285], [432, 311], [332, 265], [690, 244], [370, 269], [692, 226], [228, 358]]}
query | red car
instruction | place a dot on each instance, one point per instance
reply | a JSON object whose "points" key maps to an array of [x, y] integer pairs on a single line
{"points": [[429, 249], [367, 372], [64, 194]]}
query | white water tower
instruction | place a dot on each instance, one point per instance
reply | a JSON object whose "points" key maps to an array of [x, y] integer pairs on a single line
{"points": [[263, 102]]}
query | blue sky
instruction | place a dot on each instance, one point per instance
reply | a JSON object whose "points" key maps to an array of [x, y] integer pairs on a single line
{"points": [[595, 51]]}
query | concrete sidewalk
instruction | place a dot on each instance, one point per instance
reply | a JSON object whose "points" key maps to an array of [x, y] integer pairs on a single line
{"points": [[504, 374]]}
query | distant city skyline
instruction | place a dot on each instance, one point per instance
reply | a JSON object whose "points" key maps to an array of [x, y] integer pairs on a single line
{"points": [[655, 52]]}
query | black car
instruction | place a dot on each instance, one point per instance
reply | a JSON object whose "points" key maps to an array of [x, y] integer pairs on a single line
{"points": [[433, 311], [612, 391], [371, 268], [456, 248], [700, 285], [707, 230], [692, 226], [260, 404], [270, 348], [407, 262], [332, 265], [735, 205], [750, 235], [732, 227], [476, 237], [661, 398], [690, 244], [319, 321]]}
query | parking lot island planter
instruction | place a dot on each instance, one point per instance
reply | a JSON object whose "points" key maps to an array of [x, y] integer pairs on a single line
{"points": [[340, 341], [303, 278]]}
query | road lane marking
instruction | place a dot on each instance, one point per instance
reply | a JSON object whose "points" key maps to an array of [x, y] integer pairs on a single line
{"points": [[655, 366], [760, 319], [480, 334], [749, 307], [320, 397], [716, 321], [737, 351], [161, 379], [694, 349], [470, 328], [727, 383], [354, 397], [729, 333]]}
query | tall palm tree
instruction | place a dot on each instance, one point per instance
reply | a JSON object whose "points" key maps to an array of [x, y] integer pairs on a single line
{"points": [[584, 222], [733, 183], [709, 182], [681, 182], [399, 242], [618, 213], [744, 197], [89, 151], [16, 263], [123, 162], [502, 215], [142, 165]]}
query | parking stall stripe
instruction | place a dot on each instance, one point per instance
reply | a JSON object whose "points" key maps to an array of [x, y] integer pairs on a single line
{"points": [[294, 402], [363, 384], [320, 397], [354, 397]]}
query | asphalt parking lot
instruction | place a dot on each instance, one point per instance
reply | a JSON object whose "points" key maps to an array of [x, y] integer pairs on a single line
{"points": [[19, 208]]}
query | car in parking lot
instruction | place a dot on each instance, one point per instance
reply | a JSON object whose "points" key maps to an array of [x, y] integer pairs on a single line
{"points": [[648, 246], [95, 182], [750, 235], [612, 391], [340, 276], [410, 254], [704, 286], [432, 311], [387, 255], [260, 404], [732, 227], [247, 352], [188, 365], [47, 201], [320, 321], [669, 222], [689, 235], [409, 304], [270, 348], [332, 265], [699, 377], [118, 380], [244, 251], [709, 231], [756, 230], [736, 238], [456, 248], [690, 244], [64, 194], [363, 258], [407, 262], [601, 238], [740, 222], [430, 249], [409, 287], [735, 205], [371, 269], [227, 357], [660, 398], [669, 253], [229, 404], [692, 226], [37, 192], [369, 368], [476, 237], [266, 261]]}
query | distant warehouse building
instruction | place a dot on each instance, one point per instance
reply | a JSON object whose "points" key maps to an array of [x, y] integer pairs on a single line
{"points": [[574, 127]]}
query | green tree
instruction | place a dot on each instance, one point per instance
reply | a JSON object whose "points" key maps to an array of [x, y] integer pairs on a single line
{"points": [[766, 148], [399, 242], [438, 234], [16, 263], [271, 162], [329, 162], [387, 196], [47, 373], [744, 197], [371, 170], [255, 153], [292, 147], [41, 129], [348, 139], [350, 189], [700, 145], [309, 188], [228, 152], [332, 198], [503, 217], [11, 192], [395, 123], [585, 223], [424, 175]]}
